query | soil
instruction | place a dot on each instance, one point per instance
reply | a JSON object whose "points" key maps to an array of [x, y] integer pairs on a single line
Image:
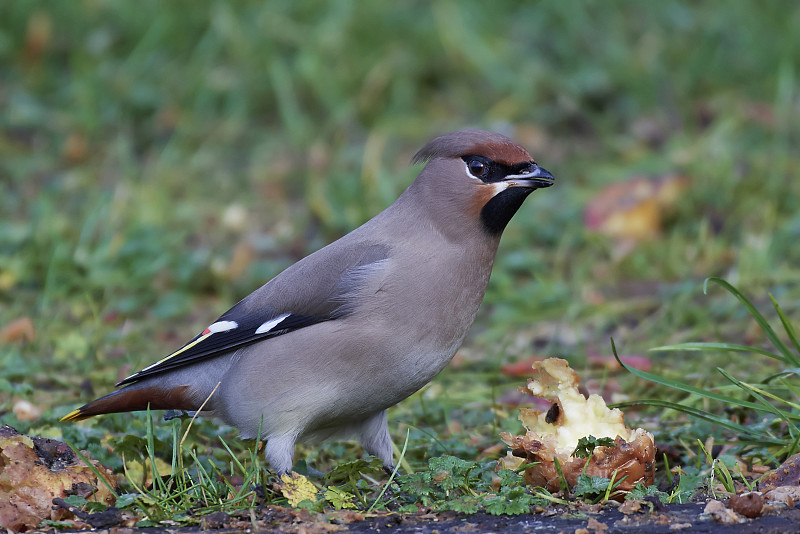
{"points": [[608, 520]]}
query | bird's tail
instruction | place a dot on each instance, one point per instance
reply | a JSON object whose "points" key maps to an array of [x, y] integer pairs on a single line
{"points": [[133, 398]]}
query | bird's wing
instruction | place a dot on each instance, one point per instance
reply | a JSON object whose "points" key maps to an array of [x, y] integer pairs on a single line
{"points": [[294, 299]]}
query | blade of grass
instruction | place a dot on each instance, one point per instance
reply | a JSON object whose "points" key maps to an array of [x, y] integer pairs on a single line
{"points": [[731, 347], [91, 467], [151, 453], [394, 473], [758, 317], [755, 389], [650, 377], [544, 494], [784, 372], [666, 469], [233, 457], [701, 414], [767, 406], [562, 480], [786, 324]]}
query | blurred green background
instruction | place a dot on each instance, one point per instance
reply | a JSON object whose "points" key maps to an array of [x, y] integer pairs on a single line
{"points": [[160, 160]]}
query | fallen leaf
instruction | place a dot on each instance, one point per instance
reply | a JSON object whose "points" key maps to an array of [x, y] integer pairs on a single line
{"points": [[297, 488], [26, 411], [75, 148], [642, 363], [629, 507], [38, 35], [520, 368], [596, 526], [634, 209], [18, 330], [34, 471]]}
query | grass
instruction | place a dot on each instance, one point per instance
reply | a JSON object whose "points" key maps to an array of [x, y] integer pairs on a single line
{"points": [[765, 426], [160, 161]]}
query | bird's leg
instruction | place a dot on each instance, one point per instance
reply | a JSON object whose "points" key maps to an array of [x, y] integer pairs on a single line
{"points": [[373, 435], [389, 469], [279, 452]]}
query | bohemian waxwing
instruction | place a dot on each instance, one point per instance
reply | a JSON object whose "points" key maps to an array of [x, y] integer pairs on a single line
{"points": [[324, 348]]}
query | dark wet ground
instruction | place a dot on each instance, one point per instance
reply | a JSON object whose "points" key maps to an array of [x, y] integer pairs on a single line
{"points": [[678, 518], [674, 518]]}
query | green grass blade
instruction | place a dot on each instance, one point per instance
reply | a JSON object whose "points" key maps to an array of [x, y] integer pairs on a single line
{"points": [[233, 456], [151, 453], [740, 430], [783, 373], [674, 384], [786, 324], [767, 406], [394, 472], [758, 317], [91, 466], [723, 347], [790, 387]]}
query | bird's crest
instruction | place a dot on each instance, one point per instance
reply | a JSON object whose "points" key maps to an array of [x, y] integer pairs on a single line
{"points": [[492, 145]]}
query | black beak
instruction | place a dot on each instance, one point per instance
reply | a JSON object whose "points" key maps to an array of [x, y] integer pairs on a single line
{"points": [[536, 178]]}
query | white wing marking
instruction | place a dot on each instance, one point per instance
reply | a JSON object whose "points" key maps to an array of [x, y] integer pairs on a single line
{"points": [[221, 326], [272, 323]]}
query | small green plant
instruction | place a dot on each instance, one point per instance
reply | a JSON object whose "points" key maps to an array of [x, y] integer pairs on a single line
{"points": [[594, 489], [640, 491], [587, 445], [690, 480], [450, 483], [349, 483]]}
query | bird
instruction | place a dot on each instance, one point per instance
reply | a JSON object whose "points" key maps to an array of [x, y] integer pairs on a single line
{"points": [[323, 349]]}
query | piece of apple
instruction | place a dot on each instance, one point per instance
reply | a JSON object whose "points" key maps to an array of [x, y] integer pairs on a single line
{"points": [[554, 434]]}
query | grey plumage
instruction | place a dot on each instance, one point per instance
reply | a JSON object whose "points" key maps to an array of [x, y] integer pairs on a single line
{"points": [[324, 348]]}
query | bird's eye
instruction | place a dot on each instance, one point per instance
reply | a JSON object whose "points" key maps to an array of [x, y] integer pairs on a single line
{"points": [[476, 167]]}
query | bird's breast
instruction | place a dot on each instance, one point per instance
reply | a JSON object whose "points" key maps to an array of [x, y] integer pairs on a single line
{"points": [[424, 310]]}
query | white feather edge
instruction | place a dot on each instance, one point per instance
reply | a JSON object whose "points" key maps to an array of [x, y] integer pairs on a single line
{"points": [[222, 326], [272, 323]]}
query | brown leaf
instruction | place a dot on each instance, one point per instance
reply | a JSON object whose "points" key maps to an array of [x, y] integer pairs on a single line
{"points": [[75, 148], [38, 35], [26, 411], [34, 471], [642, 363], [634, 209], [18, 330], [520, 368]]}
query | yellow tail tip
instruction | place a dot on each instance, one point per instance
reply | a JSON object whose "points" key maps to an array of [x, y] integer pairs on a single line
{"points": [[74, 415]]}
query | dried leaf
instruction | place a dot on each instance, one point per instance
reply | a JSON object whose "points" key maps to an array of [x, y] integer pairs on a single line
{"points": [[634, 209], [26, 411], [298, 488], [18, 330], [34, 471], [520, 368]]}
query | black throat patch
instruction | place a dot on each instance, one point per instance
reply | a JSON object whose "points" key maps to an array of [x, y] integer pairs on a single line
{"points": [[499, 210]]}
